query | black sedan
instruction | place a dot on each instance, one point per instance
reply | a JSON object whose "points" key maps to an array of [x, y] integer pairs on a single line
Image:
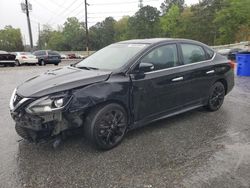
{"points": [[121, 87]]}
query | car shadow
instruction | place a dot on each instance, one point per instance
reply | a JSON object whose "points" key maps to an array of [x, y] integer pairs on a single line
{"points": [[168, 144]]}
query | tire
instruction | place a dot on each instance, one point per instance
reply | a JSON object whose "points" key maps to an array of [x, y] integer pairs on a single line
{"points": [[216, 96], [106, 126], [56, 64], [17, 63], [42, 63], [24, 133]]}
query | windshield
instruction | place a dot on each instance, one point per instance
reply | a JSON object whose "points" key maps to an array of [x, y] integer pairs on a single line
{"points": [[112, 57]]}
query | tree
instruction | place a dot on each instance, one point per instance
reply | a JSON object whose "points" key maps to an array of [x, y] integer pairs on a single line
{"points": [[185, 24], [44, 37], [108, 30], [167, 4], [102, 33], [56, 41], [170, 22], [95, 36], [74, 34], [145, 23], [121, 29], [11, 39], [204, 28], [233, 21]]}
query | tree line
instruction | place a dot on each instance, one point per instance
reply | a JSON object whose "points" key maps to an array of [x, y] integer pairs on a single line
{"points": [[213, 22]]}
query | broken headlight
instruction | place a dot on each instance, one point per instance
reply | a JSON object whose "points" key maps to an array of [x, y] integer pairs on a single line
{"points": [[48, 104]]}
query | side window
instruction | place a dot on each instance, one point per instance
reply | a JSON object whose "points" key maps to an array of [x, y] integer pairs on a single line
{"points": [[162, 57], [42, 52], [53, 53], [39, 53], [210, 53], [192, 53]]}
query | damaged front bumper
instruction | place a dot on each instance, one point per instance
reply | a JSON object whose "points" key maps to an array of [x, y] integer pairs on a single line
{"points": [[43, 126]]}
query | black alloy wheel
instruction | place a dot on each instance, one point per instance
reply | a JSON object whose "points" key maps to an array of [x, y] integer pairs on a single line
{"points": [[106, 126], [216, 97]]}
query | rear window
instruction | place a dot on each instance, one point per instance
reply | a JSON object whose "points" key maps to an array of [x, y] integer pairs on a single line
{"points": [[210, 53], [53, 53]]}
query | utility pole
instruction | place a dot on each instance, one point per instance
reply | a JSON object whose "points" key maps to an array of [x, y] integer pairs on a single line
{"points": [[39, 42], [86, 25], [140, 5], [26, 7]]}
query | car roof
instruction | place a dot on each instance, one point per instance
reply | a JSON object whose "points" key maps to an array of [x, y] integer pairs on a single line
{"points": [[147, 41], [159, 40]]}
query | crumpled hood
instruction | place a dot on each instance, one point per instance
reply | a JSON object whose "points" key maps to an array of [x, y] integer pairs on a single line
{"points": [[60, 79]]}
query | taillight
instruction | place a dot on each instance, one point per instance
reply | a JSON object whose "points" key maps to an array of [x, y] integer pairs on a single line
{"points": [[232, 64], [23, 57]]}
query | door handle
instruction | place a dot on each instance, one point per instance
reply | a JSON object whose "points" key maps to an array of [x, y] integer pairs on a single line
{"points": [[177, 79], [210, 72]]}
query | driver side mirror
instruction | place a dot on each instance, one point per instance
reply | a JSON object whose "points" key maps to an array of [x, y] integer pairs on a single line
{"points": [[146, 67]]}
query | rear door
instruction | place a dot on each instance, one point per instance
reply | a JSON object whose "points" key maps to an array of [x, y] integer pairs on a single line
{"points": [[198, 72]]}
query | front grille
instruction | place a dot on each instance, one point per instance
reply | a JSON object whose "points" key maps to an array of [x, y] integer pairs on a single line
{"points": [[16, 100]]}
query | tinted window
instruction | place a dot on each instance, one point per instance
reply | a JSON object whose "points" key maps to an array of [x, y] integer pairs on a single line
{"points": [[53, 53], [192, 53], [162, 57], [210, 53], [38, 53]]}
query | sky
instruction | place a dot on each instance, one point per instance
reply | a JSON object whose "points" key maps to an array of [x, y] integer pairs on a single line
{"points": [[55, 12]]}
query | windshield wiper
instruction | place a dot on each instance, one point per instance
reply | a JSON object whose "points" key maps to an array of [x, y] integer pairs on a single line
{"points": [[88, 68]]}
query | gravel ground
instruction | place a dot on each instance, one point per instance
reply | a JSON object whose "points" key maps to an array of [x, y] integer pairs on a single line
{"points": [[194, 149]]}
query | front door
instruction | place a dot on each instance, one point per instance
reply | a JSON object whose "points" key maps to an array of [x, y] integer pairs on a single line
{"points": [[162, 89]]}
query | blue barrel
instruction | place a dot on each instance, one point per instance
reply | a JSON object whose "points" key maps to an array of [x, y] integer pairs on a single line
{"points": [[243, 64]]}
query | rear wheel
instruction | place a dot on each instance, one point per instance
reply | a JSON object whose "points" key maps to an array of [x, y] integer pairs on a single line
{"points": [[216, 96], [56, 64], [106, 126]]}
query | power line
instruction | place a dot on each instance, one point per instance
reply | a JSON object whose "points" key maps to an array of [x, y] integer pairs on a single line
{"points": [[63, 11], [112, 12], [140, 5], [26, 7], [120, 3], [44, 7], [80, 11], [86, 24], [57, 4]]}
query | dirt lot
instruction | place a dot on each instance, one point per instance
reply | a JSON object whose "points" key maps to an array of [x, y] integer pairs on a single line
{"points": [[195, 149]]}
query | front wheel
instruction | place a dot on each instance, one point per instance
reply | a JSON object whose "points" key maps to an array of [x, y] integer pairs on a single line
{"points": [[42, 63], [106, 126], [216, 96], [17, 63]]}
